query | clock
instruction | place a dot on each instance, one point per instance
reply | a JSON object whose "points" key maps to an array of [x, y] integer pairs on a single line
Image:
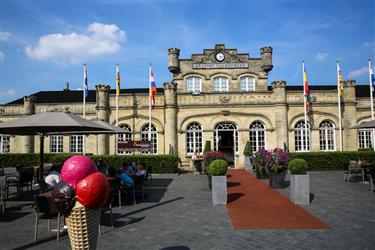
{"points": [[220, 57]]}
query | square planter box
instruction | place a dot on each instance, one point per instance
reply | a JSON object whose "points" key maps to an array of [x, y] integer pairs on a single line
{"points": [[219, 190], [300, 188], [248, 165]]}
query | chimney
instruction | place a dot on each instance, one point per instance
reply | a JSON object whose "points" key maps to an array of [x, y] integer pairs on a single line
{"points": [[66, 88]]}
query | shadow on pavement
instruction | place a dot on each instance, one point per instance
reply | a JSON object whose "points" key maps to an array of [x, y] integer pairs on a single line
{"points": [[175, 248], [234, 196]]}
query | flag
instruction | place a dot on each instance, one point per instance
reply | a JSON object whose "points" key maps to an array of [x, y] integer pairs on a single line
{"points": [[340, 81], [117, 81], [153, 90], [306, 89], [85, 85], [372, 77]]}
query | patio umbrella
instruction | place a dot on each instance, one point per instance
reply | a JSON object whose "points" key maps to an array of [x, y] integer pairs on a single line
{"points": [[370, 124], [46, 123], [112, 129]]}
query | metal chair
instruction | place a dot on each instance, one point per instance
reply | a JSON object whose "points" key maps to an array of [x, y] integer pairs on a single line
{"points": [[115, 189], [354, 169], [44, 209], [23, 179], [139, 185]]}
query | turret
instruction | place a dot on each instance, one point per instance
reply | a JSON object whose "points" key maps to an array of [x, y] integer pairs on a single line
{"points": [[173, 60], [266, 53]]}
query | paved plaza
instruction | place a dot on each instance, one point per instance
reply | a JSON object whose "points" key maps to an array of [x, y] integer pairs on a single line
{"points": [[178, 214]]}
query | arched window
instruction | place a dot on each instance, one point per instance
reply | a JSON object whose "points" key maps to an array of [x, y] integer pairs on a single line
{"points": [[154, 137], [221, 84], [301, 139], [247, 83], [56, 144], [125, 137], [194, 138], [257, 135], [76, 143], [365, 138], [327, 136], [193, 84], [4, 144]]}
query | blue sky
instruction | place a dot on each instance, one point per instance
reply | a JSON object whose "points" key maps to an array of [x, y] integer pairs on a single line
{"points": [[45, 43]]}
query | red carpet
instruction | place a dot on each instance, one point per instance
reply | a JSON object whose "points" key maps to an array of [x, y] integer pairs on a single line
{"points": [[252, 204]]}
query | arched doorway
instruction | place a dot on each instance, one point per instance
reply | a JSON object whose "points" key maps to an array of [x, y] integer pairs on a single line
{"points": [[226, 140]]}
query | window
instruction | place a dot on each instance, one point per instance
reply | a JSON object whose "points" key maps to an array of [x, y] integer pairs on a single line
{"points": [[128, 136], [221, 84], [4, 144], [257, 135], [247, 83], [76, 143], [327, 136], [194, 138], [154, 137], [56, 144], [365, 138], [193, 84], [301, 142]]}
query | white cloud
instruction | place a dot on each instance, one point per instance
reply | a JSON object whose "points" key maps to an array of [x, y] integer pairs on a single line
{"points": [[358, 72], [367, 44], [1, 55], [9, 93], [321, 56], [5, 36], [76, 48]]}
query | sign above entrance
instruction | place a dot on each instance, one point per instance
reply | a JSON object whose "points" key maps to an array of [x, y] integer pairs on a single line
{"points": [[134, 145], [220, 65]]}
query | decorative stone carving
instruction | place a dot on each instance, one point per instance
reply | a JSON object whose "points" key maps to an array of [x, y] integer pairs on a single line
{"points": [[224, 99]]}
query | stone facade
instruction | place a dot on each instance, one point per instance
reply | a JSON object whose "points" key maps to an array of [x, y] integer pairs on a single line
{"points": [[208, 90]]}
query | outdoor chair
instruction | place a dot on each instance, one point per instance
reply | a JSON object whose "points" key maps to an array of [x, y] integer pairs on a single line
{"points": [[45, 210], [371, 178], [148, 175], [354, 169], [129, 191], [115, 189], [107, 207], [23, 179], [2, 199]]}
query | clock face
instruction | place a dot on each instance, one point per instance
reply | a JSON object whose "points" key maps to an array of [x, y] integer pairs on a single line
{"points": [[220, 57]]}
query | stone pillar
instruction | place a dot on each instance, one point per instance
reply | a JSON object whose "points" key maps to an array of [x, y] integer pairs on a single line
{"points": [[173, 60], [281, 113], [103, 111], [28, 109], [170, 97], [349, 118]]}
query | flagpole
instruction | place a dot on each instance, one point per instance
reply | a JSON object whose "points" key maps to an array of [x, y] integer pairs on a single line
{"points": [[149, 109], [117, 97], [84, 105], [371, 100], [339, 102], [304, 103]]}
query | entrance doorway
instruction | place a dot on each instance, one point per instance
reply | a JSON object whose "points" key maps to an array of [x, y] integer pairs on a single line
{"points": [[226, 140]]}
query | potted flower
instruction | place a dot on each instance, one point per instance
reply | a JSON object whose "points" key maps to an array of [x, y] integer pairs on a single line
{"points": [[248, 152], [207, 159], [299, 181], [260, 163], [277, 166], [218, 169]]}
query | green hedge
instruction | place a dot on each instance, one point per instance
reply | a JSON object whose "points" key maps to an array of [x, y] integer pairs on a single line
{"points": [[320, 161], [156, 163]]}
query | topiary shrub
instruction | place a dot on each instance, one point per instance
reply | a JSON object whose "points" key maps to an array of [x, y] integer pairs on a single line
{"points": [[218, 167], [207, 147], [298, 166], [248, 151]]}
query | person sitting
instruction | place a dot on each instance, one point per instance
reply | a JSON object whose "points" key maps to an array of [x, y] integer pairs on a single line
{"points": [[141, 171], [126, 179], [111, 174], [129, 170], [102, 167], [53, 177]]}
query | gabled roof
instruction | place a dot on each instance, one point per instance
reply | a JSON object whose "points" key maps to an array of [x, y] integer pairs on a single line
{"points": [[70, 96]]}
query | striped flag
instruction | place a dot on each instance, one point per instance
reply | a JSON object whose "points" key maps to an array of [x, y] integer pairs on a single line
{"points": [[117, 80], [340, 81], [85, 85], [306, 90], [153, 90]]}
